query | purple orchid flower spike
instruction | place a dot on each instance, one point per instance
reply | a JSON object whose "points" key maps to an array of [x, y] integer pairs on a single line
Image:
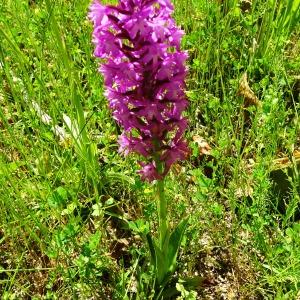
{"points": [[144, 75]]}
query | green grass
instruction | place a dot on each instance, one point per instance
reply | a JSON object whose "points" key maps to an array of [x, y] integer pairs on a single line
{"points": [[71, 208]]}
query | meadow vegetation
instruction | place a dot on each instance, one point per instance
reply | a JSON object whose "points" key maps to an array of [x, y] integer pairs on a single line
{"points": [[73, 210]]}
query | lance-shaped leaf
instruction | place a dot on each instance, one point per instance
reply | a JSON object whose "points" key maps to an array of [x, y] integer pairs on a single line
{"points": [[174, 244]]}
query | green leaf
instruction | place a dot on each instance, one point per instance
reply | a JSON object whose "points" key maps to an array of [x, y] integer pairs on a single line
{"points": [[97, 210], [158, 260], [94, 240], [161, 266], [58, 198], [109, 201], [70, 209], [139, 226], [174, 244], [152, 249]]}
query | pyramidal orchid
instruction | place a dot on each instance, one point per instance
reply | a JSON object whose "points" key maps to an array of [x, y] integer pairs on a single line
{"points": [[144, 71], [144, 76]]}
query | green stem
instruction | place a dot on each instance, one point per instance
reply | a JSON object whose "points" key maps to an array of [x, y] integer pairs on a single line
{"points": [[162, 212]]}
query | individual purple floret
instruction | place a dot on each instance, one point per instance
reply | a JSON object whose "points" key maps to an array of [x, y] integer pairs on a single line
{"points": [[144, 72]]}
